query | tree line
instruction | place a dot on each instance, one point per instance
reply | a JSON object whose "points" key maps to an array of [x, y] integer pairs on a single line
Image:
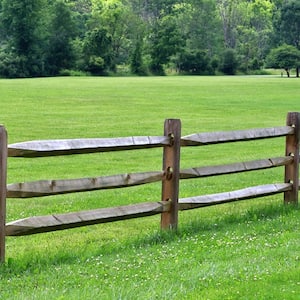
{"points": [[102, 37]]}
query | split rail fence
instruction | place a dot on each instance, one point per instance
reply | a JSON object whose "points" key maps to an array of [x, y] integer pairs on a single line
{"points": [[170, 175]]}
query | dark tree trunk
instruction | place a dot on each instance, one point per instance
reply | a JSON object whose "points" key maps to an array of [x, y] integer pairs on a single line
{"points": [[287, 72]]}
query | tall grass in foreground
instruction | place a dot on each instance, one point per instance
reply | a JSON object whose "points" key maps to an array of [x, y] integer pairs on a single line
{"points": [[246, 250]]}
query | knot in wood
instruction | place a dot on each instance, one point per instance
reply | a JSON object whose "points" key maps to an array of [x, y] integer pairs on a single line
{"points": [[171, 136], [169, 173]]}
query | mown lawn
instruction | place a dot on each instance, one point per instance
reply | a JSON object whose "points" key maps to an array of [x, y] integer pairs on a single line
{"points": [[244, 250]]}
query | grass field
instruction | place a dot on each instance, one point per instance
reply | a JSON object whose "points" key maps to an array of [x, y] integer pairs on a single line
{"points": [[243, 250]]}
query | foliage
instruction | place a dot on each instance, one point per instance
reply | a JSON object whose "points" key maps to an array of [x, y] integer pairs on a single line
{"points": [[41, 38], [195, 63], [111, 17], [97, 49], [60, 52], [23, 30], [255, 34], [66, 72], [285, 57], [137, 65], [230, 62], [290, 23], [165, 40]]}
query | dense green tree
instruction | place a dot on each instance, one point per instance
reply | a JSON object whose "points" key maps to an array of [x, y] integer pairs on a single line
{"points": [[137, 27], [60, 51], [230, 62], [202, 25], [81, 13], [23, 38], [290, 23], [42, 37], [113, 16], [254, 33], [247, 28], [97, 50], [165, 41], [136, 64], [285, 57], [197, 63], [156, 9]]}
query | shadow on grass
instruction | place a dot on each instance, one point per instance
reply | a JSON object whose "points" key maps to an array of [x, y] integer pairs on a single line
{"points": [[254, 215], [33, 263]]}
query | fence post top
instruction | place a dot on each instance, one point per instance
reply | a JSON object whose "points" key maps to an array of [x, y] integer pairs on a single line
{"points": [[178, 121]]}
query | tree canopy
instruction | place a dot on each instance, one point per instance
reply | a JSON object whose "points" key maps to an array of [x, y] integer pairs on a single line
{"points": [[49, 38], [285, 57]]}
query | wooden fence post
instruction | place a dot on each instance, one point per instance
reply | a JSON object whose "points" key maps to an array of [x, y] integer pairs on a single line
{"points": [[171, 167], [292, 149], [3, 173]]}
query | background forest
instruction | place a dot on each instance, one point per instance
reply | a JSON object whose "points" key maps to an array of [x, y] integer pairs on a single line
{"points": [[102, 37]]}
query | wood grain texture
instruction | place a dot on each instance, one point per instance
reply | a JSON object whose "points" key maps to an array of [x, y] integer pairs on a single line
{"points": [[3, 174], [207, 138], [235, 167], [80, 146], [171, 167], [55, 187], [44, 148], [40, 224], [291, 173], [243, 194]]}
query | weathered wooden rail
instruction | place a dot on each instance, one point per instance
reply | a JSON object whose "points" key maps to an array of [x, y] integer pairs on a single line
{"points": [[170, 175]]}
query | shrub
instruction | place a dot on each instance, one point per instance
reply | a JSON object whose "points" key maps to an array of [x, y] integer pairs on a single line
{"points": [[196, 62], [67, 72], [230, 63], [96, 65]]}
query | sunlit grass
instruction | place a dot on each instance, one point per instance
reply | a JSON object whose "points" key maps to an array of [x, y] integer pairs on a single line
{"points": [[245, 250]]}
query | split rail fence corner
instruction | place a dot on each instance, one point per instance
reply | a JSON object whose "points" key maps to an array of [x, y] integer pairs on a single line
{"points": [[170, 175]]}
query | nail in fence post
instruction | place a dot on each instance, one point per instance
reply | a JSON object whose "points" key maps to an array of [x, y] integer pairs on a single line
{"points": [[292, 149], [171, 167], [3, 173]]}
